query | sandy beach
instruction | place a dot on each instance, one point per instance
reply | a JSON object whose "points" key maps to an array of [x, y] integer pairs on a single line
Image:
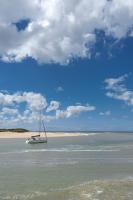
{"points": [[29, 134]]}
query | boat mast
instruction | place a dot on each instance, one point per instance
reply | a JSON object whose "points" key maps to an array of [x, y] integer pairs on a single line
{"points": [[39, 120], [41, 125], [44, 131]]}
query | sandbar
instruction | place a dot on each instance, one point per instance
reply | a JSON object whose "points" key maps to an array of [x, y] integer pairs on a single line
{"points": [[29, 134]]}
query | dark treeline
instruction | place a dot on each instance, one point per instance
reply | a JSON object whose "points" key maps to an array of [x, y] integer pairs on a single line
{"points": [[20, 130]]}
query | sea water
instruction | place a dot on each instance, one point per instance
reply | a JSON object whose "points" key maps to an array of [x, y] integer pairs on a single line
{"points": [[94, 166]]}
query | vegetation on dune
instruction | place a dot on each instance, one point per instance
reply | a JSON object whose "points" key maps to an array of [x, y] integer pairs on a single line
{"points": [[20, 130]]}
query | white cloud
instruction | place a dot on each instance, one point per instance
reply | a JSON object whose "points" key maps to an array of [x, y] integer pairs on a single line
{"points": [[9, 111], [54, 105], [20, 109], [73, 110], [60, 29], [117, 90], [59, 89], [34, 101], [116, 83], [106, 113]]}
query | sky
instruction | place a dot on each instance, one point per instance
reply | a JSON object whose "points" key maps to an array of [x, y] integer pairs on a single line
{"points": [[71, 60]]}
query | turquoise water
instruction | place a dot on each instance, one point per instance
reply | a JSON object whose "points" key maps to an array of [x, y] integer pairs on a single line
{"points": [[95, 167]]}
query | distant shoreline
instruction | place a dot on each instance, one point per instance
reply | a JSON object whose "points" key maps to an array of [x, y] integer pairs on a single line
{"points": [[22, 130], [54, 134]]}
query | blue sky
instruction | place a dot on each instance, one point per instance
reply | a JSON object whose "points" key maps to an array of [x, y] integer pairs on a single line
{"points": [[80, 88]]}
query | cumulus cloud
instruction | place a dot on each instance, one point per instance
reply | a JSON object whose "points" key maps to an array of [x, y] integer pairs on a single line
{"points": [[9, 111], [34, 101], [24, 108], [54, 105], [116, 83], [60, 30], [73, 110], [106, 113], [116, 89]]}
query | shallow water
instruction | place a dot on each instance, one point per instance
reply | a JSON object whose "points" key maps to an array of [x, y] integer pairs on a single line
{"points": [[95, 167]]}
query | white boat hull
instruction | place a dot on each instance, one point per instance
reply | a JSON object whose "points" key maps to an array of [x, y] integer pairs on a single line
{"points": [[36, 141]]}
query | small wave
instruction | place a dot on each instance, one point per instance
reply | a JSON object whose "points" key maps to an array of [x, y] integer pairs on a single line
{"points": [[69, 150], [89, 134], [98, 189], [59, 150], [92, 190], [31, 195]]}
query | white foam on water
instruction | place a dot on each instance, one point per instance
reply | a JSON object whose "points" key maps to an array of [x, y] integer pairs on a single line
{"points": [[116, 189], [31, 195], [67, 150], [89, 134], [99, 191], [88, 195]]}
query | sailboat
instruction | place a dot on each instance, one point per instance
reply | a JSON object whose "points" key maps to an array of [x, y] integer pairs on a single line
{"points": [[35, 139]]}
